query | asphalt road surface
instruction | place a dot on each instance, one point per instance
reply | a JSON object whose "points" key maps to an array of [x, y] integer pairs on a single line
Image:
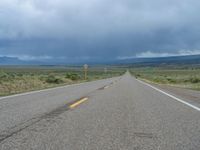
{"points": [[120, 113]]}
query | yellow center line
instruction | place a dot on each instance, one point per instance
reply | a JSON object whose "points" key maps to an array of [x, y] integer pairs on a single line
{"points": [[78, 102]]}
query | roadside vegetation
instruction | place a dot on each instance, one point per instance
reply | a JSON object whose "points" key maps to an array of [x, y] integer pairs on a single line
{"points": [[185, 77], [18, 79]]}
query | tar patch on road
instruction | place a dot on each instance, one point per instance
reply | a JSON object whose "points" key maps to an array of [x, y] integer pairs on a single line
{"points": [[56, 112], [144, 135]]}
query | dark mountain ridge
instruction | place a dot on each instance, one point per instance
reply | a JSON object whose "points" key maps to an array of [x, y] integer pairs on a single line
{"points": [[173, 60]]}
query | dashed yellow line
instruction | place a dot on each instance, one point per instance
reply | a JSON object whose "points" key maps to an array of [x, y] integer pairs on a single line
{"points": [[78, 102]]}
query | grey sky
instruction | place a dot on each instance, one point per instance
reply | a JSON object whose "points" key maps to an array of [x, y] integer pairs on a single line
{"points": [[102, 29]]}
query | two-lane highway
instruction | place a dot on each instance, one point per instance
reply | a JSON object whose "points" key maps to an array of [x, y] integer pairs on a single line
{"points": [[121, 114]]}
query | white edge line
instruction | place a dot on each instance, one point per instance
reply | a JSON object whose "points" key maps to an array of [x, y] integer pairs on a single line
{"points": [[49, 89], [177, 99]]}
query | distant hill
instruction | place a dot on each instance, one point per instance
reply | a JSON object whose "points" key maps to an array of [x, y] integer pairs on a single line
{"points": [[10, 61], [175, 60]]}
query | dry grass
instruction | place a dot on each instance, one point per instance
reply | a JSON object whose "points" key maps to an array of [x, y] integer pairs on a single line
{"points": [[23, 79], [185, 78]]}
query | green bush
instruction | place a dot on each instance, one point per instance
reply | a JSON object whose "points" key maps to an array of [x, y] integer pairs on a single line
{"points": [[53, 79], [194, 80], [4, 76], [12, 75], [19, 74], [72, 76], [138, 75], [159, 80], [170, 80], [42, 77]]}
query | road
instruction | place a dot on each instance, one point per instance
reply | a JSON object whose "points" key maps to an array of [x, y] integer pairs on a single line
{"points": [[120, 113]]}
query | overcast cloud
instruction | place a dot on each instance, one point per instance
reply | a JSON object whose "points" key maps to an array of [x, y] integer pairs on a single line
{"points": [[97, 29]]}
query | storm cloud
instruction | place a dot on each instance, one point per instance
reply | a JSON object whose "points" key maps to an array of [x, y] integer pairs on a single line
{"points": [[101, 29]]}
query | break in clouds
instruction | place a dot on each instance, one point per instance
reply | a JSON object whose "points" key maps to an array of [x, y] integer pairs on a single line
{"points": [[96, 29]]}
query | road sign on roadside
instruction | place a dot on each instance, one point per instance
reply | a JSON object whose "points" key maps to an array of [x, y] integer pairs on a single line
{"points": [[85, 66], [85, 70]]}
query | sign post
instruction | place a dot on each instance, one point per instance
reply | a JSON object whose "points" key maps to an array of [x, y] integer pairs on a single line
{"points": [[85, 70]]}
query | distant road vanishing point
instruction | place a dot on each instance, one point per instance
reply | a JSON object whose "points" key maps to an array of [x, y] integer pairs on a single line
{"points": [[120, 113]]}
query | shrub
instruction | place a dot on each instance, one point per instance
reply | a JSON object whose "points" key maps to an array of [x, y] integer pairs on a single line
{"points": [[72, 76], [159, 80], [53, 79], [12, 75], [3, 76], [170, 80], [42, 77], [137, 76], [194, 80], [19, 74]]}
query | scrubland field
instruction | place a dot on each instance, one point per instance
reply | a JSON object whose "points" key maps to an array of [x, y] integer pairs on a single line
{"points": [[18, 79], [185, 77]]}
